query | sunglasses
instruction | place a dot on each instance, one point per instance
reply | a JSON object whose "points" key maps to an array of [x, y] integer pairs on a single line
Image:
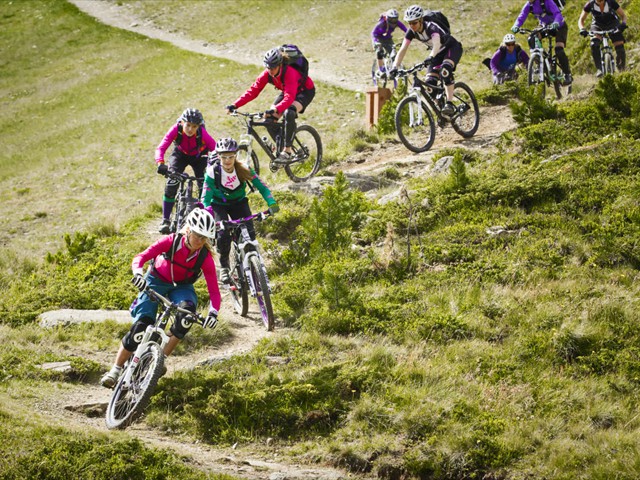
{"points": [[414, 22], [227, 156], [510, 44]]}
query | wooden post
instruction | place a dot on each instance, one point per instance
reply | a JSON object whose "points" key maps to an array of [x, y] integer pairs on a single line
{"points": [[376, 98]]}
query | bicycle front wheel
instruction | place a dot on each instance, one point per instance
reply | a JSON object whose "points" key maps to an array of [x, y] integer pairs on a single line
{"points": [[128, 403], [608, 64], [467, 117], [263, 296], [239, 288], [307, 154], [415, 125], [535, 73]]}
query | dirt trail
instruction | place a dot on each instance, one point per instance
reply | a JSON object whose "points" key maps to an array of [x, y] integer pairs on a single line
{"points": [[82, 405]]}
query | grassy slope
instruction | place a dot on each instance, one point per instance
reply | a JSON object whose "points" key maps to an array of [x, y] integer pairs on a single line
{"points": [[492, 384]]}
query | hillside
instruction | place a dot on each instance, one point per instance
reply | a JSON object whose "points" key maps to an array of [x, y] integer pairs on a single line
{"points": [[472, 314]]}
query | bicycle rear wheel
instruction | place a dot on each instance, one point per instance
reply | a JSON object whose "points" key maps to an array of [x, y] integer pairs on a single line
{"points": [[417, 132], [127, 404], [467, 117], [535, 73], [307, 154], [239, 288], [608, 64], [249, 162], [263, 296]]}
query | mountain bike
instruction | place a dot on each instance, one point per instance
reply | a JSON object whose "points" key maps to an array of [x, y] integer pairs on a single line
{"points": [[543, 69], [133, 390], [381, 77], [415, 124], [307, 147], [185, 201], [606, 51], [247, 272]]}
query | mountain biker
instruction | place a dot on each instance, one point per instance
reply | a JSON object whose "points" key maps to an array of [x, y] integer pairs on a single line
{"points": [[548, 14], [382, 35], [445, 54], [607, 15], [504, 60], [225, 195], [174, 258], [297, 93], [192, 143]]}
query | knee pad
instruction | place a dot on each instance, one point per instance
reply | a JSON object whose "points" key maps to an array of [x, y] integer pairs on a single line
{"points": [[181, 325], [171, 188], [379, 53], [559, 50], [290, 114], [133, 337], [447, 74], [595, 42]]}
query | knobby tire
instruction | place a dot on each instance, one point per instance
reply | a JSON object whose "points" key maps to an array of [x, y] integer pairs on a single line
{"points": [[608, 64], [239, 288], [126, 405], [468, 122], [262, 292], [533, 73], [307, 148], [250, 163], [416, 137]]}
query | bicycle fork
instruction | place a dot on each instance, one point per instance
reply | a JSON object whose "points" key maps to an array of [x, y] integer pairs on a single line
{"points": [[135, 358], [415, 111]]}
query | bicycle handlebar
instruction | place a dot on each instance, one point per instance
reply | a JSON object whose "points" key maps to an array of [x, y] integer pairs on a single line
{"points": [[407, 71], [156, 297], [260, 216], [539, 29], [182, 177], [235, 113], [603, 32]]}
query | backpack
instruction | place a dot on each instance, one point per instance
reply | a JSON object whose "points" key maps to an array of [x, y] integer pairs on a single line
{"points": [[197, 268], [296, 59], [559, 3], [199, 143], [438, 18]]}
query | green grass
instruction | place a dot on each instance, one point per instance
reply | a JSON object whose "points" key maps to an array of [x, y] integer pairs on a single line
{"points": [[423, 344]]}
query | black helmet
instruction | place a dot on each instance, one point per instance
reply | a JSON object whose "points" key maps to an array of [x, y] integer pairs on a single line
{"points": [[192, 115]]}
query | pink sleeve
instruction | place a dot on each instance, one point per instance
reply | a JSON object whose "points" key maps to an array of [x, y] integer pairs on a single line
{"points": [[291, 81], [254, 90], [155, 249], [209, 272], [171, 135], [208, 140]]}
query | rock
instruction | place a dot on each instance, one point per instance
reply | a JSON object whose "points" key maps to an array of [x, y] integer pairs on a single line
{"points": [[69, 317]]}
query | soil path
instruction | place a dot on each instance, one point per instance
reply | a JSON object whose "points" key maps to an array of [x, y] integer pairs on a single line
{"points": [[122, 16]]}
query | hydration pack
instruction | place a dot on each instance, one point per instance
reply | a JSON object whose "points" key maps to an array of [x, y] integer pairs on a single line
{"points": [[559, 3], [196, 271], [439, 19], [294, 57]]}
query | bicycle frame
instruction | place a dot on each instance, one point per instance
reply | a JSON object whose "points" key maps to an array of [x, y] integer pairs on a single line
{"points": [[605, 49], [248, 248], [246, 139], [169, 311], [436, 99], [548, 57], [183, 198]]}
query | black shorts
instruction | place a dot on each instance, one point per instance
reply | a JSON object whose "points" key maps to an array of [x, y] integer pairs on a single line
{"points": [[453, 52], [304, 98]]}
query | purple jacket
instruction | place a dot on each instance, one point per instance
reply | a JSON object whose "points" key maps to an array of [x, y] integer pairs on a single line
{"points": [[501, 53], [552, 13], [382, 31]]}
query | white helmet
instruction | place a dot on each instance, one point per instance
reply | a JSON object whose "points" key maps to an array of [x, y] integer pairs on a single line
{"points": [[509, 38], [393, 13], [201, 222], [414, 12]]}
